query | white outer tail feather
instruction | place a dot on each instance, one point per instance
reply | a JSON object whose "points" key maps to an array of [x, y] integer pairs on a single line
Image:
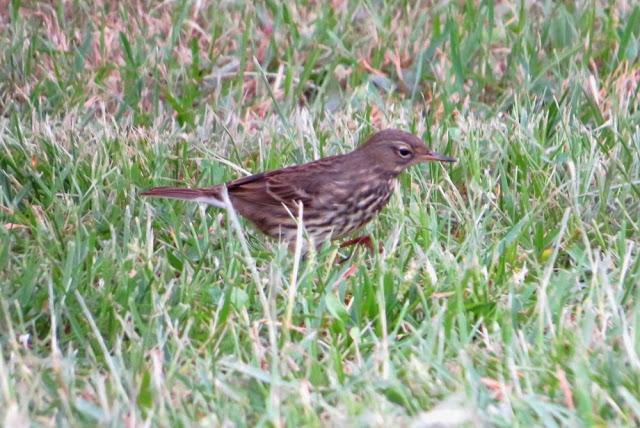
{"points": [[210, 201]]}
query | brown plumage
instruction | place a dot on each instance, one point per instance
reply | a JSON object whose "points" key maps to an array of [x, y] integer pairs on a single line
{"points": [[339, 193]]}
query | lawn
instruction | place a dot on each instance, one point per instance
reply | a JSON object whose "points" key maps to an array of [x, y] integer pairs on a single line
{"points": [[507, 289]]}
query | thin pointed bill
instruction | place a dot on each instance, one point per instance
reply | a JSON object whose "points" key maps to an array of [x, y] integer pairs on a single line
{"points": [[433, 156]]}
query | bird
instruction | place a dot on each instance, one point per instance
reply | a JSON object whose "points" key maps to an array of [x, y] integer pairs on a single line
{"points": [[339, 194]]}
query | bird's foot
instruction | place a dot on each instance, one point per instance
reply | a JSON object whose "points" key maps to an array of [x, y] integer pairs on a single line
{"points": [[365, 241], [360, 240]]}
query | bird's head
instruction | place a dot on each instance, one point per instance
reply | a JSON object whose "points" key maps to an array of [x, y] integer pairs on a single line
{"points": [[394, 151]]}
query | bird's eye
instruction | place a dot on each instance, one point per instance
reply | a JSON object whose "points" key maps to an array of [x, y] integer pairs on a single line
{"points": [[404, 153]]}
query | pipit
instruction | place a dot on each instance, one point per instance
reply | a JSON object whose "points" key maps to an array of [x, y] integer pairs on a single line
{"points": [[339, 194]]}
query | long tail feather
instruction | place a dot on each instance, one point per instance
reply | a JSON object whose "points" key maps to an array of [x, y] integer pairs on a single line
{"points": [[174, 193], [209, 196]]}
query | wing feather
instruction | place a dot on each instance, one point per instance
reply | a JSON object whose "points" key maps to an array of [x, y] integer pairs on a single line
{"points": [[284, 186]]}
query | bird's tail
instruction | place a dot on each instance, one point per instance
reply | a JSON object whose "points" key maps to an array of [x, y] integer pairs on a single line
{"points": [[209, 195]]}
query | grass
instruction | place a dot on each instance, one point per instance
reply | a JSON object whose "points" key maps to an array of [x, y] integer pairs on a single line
{"points": [[506, 293]]}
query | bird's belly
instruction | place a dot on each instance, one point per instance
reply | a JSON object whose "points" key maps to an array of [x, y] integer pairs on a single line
{"points": [[362, 207]]}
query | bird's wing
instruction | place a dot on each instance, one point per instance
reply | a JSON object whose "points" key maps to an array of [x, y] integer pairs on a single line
{"points": [[270, 189], [284, 186]]}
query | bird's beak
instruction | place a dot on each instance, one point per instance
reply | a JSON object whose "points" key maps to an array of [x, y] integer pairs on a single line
{"points": [[433, 156]]}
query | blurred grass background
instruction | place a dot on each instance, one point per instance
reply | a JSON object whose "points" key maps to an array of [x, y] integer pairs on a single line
{"points": [[506, 293]]}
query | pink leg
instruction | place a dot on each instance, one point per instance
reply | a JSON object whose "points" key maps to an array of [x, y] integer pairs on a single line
{"points": [[361, 240]]}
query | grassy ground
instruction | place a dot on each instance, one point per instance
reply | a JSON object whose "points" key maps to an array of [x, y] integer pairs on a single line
{"points": [[507, 290]]}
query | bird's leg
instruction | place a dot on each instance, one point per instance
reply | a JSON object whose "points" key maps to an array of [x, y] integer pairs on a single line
{"points": [[360, 240]]}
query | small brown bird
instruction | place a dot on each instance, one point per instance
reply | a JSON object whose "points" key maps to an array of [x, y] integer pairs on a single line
{"points": [[339, 194]]}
